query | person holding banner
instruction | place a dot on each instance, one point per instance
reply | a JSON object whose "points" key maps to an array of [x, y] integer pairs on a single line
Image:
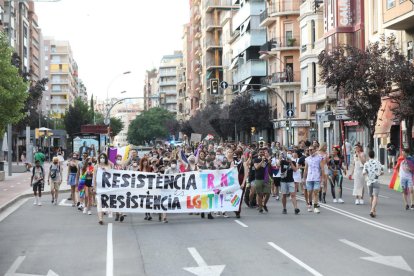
{"points": [[144, 166], [104, 166], [119, 166], [172, 169]]}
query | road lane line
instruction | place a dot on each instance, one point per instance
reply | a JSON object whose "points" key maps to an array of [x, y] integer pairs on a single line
{"points": [[353, 189], [296, 260], [109, 252], [197, 257], [241, 223], [367, 221], [363, 249], [8, 211]]}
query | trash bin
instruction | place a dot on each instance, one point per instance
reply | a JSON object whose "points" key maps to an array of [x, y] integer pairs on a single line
{"points": [[1, 166]]}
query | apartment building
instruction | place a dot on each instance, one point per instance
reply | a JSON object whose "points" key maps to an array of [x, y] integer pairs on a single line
{"points": [[386, 17], [247, 67], [211, 59], [35, 61], [1, 15], [282, 53], [183, 101], [62, 71], [150, 89], [167, 80], [126, 112]]}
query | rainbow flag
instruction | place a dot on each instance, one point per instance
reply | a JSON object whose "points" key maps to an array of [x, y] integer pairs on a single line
{"points": [[235, 200], [395, 182]]}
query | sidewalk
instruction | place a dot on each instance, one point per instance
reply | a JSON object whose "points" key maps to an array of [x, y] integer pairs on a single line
{"points": [[17, 186]]}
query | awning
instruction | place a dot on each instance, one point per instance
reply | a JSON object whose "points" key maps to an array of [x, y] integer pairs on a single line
{"points": [[233, 64], [385, 118], [245, 26], [246, 83]]}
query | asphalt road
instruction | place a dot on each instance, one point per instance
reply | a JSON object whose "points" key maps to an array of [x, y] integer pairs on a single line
{"points": [[341, 240]]}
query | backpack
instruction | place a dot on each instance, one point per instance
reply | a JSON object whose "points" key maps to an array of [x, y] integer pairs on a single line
{"points": [[34, 168], [54, 172]]}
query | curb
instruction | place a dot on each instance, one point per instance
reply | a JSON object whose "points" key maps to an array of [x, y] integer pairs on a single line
{"points": [[22, 196]]}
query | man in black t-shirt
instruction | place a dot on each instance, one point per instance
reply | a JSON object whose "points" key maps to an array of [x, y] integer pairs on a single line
{"points": [[391, 152], [287, 167], [262, 179]]}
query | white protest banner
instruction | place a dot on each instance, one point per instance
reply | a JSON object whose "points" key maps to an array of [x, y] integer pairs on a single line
{"points": [[140, 192], [195, 137]]}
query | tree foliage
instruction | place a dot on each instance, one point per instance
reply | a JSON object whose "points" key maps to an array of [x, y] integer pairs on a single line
{"points": [[77, 115], [116, 126], [152, 124], [13, 88], [362, 76]]}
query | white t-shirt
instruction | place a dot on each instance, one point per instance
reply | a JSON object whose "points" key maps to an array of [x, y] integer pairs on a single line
{"points": [[405, 170]]}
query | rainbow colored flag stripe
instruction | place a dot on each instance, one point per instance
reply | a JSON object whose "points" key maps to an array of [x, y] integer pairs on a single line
{"points": [[395, 182], [235, 200]]}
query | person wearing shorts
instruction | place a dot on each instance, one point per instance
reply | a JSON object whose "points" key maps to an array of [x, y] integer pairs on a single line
{"points": [[372, 170], [72, 173], [276, 175], [287, 183], [55, 179], [391, 153], [314, 172], [406, 180], [261, 181], [38, 177]]}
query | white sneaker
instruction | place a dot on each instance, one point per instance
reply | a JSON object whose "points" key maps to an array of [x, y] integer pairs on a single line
{"points": [[277, 197], [316, 210], [84, 210], [225, 215], [39, 203], [356, 201], [361, 202], [89, 213], [309, 208], [340, 200], [334, 200], [35, 201]]}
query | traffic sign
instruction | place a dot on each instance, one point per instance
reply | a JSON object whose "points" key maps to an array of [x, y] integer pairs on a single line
{"points": [[224, 84], [341, 117], [106, 121], [289, 113]]}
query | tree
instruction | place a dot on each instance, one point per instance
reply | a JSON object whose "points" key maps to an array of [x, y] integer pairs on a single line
{"points": [[116, 125], [13, 90], [248, 113], [149, 125], [362, 76], [77, 115], [402, 75]]}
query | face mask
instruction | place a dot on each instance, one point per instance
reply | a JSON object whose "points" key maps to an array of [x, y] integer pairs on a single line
{"points": [[289, 156], [102, 160], [118, 162], [55, 163], [89, 163], [134, 164], [173, 166]]}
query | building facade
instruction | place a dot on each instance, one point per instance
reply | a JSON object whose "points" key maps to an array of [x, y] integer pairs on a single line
{"points": [[62, 71], [167, 80], [150, 88], [126, 112]]}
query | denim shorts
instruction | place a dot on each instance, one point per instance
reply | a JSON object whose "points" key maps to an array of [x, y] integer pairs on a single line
{"points": [[406, 183], [287, 187], [313, 185]]}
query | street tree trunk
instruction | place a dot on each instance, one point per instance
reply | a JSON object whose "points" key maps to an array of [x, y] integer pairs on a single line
{"points": [[371, 131], [409, 126]]}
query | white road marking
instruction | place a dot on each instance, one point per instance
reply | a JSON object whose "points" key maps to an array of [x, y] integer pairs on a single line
{"points": [[109, 252], [296, 260], [241, 223], [17, 263], [203, 269], [4, 189], [12, 208], [367, 221], [63, 203], [11, 186], [393, 261], [346, 188]]}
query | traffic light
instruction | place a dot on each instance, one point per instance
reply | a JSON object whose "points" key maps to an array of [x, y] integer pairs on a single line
{"points": [[214, 86], [287, 125], [253, 130]]}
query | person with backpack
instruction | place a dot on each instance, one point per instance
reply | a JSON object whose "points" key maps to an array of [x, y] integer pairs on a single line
{"points": [[37, 175], [55, 174], [39, 156]]}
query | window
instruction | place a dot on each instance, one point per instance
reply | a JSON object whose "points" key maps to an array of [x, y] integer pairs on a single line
{"points": [[410, 50], [313, 33], [46, 68], [303, 108], [374, 16], [46, 49], [390, 4], [46, 57], [290, 97], [313, 76]]}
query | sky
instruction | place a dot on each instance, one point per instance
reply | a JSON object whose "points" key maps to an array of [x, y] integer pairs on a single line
{"points": [[110, 37]]}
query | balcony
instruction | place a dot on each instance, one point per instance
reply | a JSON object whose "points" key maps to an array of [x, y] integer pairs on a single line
{"points": [[319, 94], [59, 81], [210, 24], [285, 43], [168, 73], [282, 79], [59, 102], [212, 65], [168, 83], [279, 8], [211, 5], [210, 45], [252, 68], [254, 37]]}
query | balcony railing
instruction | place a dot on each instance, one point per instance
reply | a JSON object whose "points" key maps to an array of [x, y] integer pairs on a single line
{"points": [[281, 77], [276, 8], [218, 3], [252, 68], [285, 42]]}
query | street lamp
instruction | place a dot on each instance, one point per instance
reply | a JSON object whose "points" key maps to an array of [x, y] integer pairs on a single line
{"points": [[112, 81]]}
